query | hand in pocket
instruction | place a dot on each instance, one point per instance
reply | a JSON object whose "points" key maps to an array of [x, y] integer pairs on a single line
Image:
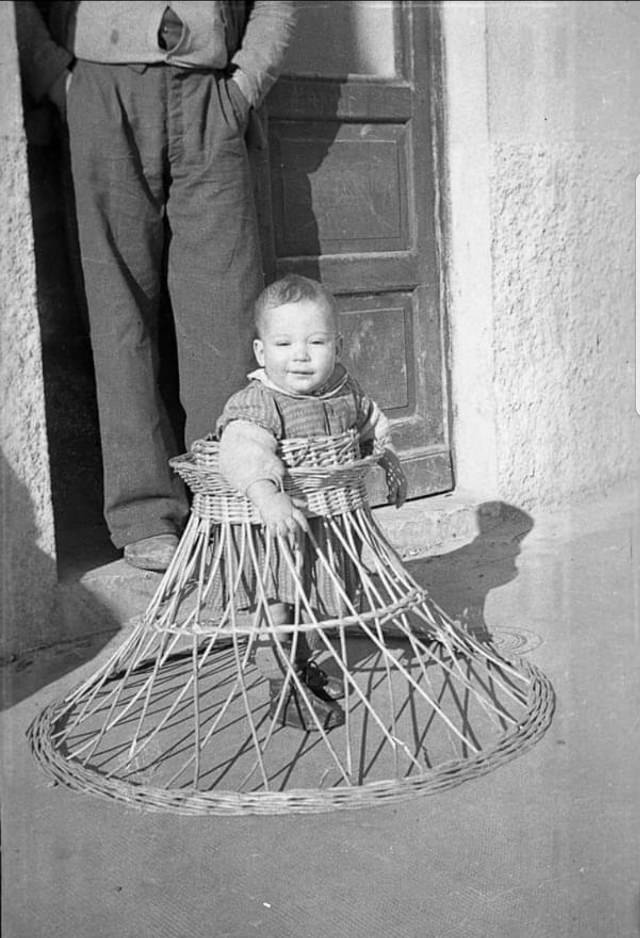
{"points": [[239, 104]]}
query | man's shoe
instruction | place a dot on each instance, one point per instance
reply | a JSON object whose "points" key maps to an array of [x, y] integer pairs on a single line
{"points": [[152, 553]]}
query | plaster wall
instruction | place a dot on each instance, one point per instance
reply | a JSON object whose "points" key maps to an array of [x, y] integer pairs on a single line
{"points": [[465, 211], [28, 547], [552, 143], [564, 130]]}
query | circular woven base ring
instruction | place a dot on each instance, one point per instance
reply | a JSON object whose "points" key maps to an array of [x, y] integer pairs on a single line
{"points": [[540, 706]]}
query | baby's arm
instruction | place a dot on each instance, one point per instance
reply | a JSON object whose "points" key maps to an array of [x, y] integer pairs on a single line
{"points": [[249, 463], [376, 428]]}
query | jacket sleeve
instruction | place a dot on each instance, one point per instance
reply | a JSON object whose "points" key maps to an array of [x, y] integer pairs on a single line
{"points": [[248, 453], [42, 60], [266, 38]]}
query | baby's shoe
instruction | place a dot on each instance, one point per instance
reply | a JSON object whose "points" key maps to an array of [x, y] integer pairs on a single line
{"points": [[295, 711], [326, 686]]}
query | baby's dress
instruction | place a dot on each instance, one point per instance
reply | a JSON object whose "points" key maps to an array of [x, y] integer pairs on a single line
{"points": [[340, 406]]}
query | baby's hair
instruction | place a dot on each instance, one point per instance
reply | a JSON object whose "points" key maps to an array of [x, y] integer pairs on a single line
{"points": [[290, 289]]}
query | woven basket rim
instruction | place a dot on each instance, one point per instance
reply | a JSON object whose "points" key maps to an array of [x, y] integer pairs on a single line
{"points": [[446, 775], [188, 461]]}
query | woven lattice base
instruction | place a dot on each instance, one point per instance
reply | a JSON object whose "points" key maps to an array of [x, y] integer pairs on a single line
{"points": [[182, 718]]}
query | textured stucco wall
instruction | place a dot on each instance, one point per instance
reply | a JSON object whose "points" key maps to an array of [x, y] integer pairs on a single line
{"points": [[28, 548], [541, 144], [564, 136]]}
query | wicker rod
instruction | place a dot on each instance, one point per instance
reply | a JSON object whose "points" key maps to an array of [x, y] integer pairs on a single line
{"points": [[382, 648], [370, 585]]}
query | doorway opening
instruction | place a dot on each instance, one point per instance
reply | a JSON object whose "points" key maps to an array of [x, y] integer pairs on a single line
{"points": [[346, 191]]}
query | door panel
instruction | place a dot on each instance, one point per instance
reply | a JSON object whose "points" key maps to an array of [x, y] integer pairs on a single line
{"points": [[355, 180], [351, 202]]}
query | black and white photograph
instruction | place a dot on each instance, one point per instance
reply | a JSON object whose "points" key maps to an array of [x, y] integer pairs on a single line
{"points": [[320, 452]]}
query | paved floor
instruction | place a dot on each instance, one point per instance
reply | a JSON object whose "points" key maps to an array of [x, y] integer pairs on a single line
{"points": [[546, 846]]}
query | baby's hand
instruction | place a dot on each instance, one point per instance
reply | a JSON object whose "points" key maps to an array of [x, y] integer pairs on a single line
{"points": [[281, 516], [396, 479], [279, 513]]}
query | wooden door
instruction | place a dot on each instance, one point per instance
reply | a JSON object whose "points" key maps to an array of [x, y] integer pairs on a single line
{"points": [[350, 201]]}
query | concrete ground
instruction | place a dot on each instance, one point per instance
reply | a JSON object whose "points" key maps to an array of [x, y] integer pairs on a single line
{"points": [[546, 846]]}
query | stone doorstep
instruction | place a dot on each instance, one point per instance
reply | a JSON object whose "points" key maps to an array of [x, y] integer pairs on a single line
{"points": [[108, 596], [441, 523]]}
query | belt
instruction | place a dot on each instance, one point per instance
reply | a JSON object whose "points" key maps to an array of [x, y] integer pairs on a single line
{"points": [[170, 30]]}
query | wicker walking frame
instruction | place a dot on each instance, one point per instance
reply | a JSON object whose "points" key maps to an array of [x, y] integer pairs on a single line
{"points": [[180, 719]]}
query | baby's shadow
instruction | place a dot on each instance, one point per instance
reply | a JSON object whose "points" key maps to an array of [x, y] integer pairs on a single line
{"points": [[459, 581]]}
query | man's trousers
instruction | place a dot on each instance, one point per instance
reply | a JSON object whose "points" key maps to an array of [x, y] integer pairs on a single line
{"points": [[161, 174]]}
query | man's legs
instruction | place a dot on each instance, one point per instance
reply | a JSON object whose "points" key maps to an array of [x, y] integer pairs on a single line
{"points": [[215, 264], [118, 158]]}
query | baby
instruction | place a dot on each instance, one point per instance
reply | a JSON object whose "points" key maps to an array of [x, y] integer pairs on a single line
{"points": [[300, 390]]}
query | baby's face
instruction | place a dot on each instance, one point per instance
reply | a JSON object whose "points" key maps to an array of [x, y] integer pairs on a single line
{"points": [[299, 347]]}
